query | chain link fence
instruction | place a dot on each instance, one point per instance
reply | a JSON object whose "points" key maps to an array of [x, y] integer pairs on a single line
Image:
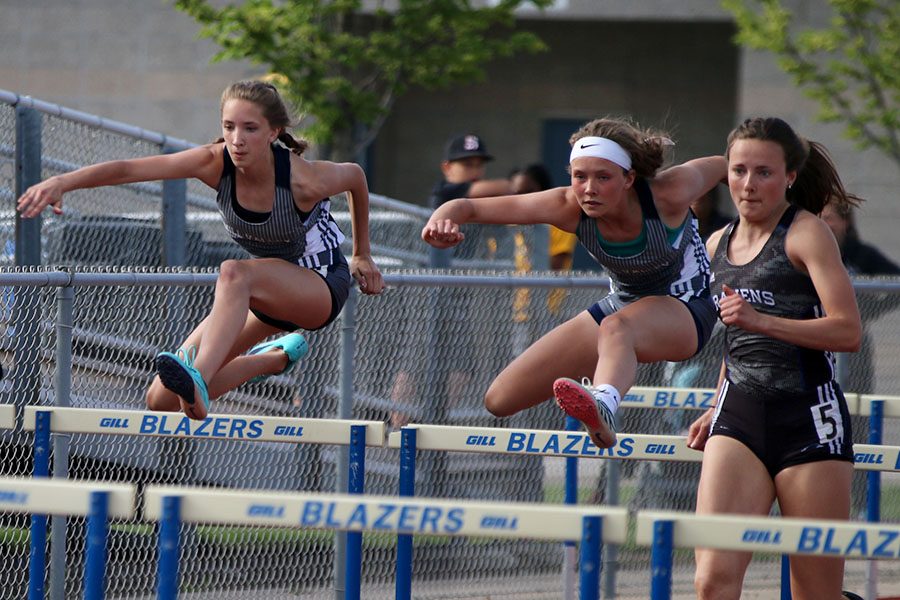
{"points": [[118, 329], [423, 352]]}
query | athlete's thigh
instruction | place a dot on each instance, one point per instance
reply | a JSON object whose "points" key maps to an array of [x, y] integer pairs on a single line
{"points": [[569, 350], [662, 327], [816, 490], [732, 481], [289, 292]]}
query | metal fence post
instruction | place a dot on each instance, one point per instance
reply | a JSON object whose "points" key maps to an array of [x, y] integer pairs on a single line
{"points": [[65, 300], [28, 173], [433, 385], [174, 219], [540, 253], [24, 300]]}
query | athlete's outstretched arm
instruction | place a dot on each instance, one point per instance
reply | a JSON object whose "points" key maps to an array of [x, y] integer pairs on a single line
{"points": [[555, 206], [197, 163]]}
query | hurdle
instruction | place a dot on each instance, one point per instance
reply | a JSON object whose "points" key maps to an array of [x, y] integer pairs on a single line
{"points": [[98, 501], [664, 531], [577, 444], [224, 427], [7, 416], [215, 426], [874, 458], [172, 505]]}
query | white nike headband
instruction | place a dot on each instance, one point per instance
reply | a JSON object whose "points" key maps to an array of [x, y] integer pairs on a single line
{"points": [[600, 147]]}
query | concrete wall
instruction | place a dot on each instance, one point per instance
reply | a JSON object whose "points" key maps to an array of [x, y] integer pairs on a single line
{"points": [[641, 69], [136, 62], [666, 62]]}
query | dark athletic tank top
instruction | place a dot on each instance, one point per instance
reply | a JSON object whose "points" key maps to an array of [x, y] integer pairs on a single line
{"points": [[662, 268], [305, 239], [772, 285]]}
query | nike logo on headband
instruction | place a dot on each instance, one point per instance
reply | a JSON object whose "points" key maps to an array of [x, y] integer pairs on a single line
{"points": [[583, 146]]}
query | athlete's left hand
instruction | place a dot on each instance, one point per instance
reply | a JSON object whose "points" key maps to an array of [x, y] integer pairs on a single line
{"points": [[735, 310], [366, 274]]}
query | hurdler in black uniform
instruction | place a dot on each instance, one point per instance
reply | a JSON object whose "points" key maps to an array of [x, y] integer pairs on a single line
{"points": [[779, 399]]}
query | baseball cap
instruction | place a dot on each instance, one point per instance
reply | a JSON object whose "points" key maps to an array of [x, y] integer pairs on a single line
{"points": [[465, 146]]}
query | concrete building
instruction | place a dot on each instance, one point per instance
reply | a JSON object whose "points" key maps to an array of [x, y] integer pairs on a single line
{"points": [[668, 63]]}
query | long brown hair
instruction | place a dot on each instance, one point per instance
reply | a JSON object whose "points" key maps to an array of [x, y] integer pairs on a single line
{"points": [[274, 109], [817, 180]]}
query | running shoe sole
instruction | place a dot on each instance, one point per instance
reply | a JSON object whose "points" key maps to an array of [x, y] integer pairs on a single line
{"points": [[578, 402], [177, 380]]}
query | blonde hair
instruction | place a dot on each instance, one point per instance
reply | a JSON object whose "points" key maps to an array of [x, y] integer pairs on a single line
{"points": [[274, 109], [645, 146]]}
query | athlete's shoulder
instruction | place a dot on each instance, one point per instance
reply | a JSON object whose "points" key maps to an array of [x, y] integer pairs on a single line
{"points": [[808, 225]]}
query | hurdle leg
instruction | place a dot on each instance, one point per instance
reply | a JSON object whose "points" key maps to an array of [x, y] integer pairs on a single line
{"points": [[356, 485], [570, 565], [403, 575], [873, 492], [591, 541], [95, 560], [661, 561], [37, 563], [167, 572], [785, 577]]}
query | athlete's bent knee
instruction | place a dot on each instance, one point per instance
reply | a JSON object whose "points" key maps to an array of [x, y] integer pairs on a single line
{"points": [[232, 271], [614, 326], [497, 403]]}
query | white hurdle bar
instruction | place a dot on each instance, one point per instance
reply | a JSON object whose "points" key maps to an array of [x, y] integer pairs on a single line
{"points": [[355, 434], [703, 398], [215, 426], [7, 416], [577, 444], [664, 531], [96, 500], [420, 516]]}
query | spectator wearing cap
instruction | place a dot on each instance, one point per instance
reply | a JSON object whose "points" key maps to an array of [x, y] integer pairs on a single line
{"points": [[463, 168]]}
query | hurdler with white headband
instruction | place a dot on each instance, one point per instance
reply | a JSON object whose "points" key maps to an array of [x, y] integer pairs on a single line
{"points": [[600, 147], [636, 223]]}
